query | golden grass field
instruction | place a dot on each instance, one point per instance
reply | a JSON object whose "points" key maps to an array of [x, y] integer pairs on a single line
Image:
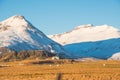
{"points": [[34, 70]]}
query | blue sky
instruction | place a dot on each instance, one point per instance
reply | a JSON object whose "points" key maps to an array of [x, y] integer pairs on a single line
{"points": [[57, 16]]}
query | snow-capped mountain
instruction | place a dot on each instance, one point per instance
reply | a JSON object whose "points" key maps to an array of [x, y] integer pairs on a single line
{"points": [[86, 33], [17, 34], [101, 42]]}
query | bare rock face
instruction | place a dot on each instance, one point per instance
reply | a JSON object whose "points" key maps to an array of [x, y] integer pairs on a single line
{"points": [[22, 55], [33, 54], [4, 50], [9, 55]]}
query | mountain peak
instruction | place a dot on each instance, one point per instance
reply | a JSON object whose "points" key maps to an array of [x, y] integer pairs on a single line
{"points": [[15, 17], [84, 26], [18, 17], [16, 21]]}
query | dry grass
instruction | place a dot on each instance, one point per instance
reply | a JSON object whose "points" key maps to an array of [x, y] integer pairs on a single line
{"points": [[26, 70]]}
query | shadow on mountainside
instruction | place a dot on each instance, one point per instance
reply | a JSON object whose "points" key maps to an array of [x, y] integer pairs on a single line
{"points": [[100, 49]]}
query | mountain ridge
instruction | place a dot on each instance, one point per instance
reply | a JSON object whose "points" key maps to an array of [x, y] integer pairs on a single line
{"points": [[85, 33]]}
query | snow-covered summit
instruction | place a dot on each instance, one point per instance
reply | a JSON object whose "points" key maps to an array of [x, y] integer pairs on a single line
{"points": [[84, 26], [18, 34], [16, 20], [17, 23], [86, 33]]}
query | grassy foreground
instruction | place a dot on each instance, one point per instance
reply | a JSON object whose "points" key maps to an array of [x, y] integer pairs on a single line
{"points": [[37, 70]]}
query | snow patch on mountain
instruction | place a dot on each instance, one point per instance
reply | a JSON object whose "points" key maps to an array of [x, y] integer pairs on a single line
{"points": [[115, 56]]}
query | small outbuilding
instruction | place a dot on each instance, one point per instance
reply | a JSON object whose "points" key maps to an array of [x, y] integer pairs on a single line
{"points": [[55, 58]]}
